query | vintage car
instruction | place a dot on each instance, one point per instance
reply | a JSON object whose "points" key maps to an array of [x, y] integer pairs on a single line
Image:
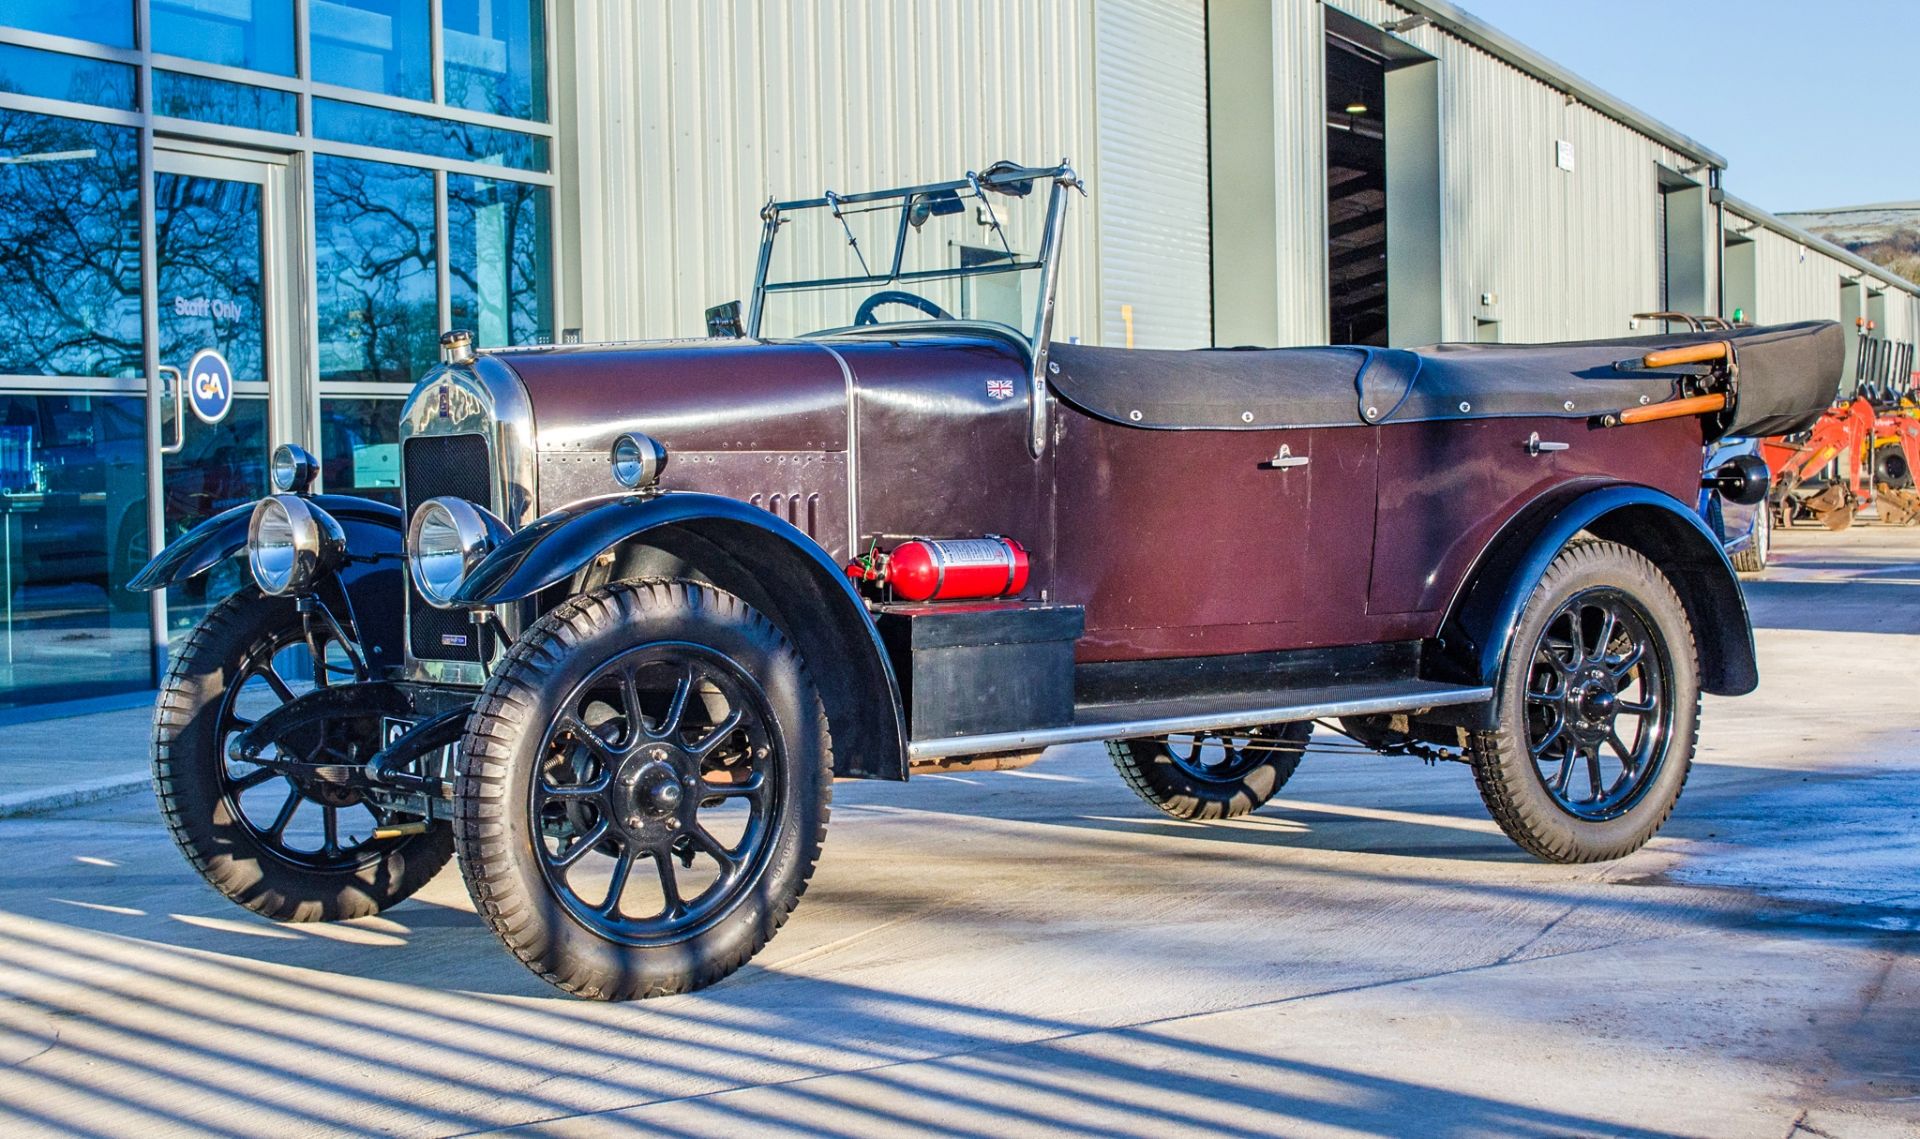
{"points": [[645, 603]]}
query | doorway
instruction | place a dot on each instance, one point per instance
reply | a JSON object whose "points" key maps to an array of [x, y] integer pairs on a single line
{"points": [[229, 369], [1384, 245], [1356, 196]]}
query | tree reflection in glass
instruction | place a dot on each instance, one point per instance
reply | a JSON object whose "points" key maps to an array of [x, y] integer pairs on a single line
{"points": [[374, 230], [69, 247], [499, 266]]}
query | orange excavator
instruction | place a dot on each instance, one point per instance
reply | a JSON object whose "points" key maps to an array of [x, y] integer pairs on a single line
{"points": [[1863, 451]]}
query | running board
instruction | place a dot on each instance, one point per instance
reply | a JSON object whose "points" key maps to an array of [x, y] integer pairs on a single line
{"points": [[1212, 713]]}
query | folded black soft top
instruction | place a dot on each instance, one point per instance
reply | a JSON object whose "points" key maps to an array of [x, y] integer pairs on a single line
{"points": [[1788, 375]]}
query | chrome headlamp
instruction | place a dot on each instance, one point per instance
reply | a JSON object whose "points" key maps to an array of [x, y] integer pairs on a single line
{"points": [[290, 543], [292, 469], [446, 539], [637, 460]]}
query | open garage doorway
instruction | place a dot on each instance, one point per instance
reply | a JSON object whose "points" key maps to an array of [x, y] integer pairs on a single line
{"points": [[1356, 196], [1383, 187]]}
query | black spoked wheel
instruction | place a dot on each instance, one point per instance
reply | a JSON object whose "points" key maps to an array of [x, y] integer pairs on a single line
{"points": [[643, 790], [293, 849], [1211, 775], [657, 793], [1597, 706]]}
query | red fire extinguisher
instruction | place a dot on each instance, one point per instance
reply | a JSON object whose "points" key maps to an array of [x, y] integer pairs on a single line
{"points": [[947, 569]]}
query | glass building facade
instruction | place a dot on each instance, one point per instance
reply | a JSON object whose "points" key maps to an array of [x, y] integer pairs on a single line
{"points": [[313, 189]]}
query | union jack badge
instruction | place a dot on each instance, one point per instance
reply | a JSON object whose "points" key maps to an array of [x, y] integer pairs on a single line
{"points": [[1000, 389]]}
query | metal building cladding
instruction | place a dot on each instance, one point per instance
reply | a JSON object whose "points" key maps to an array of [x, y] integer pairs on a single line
{"points": [[313, 189]]}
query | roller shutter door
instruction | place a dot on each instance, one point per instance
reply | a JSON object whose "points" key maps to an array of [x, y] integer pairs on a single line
{"points": [[1151, 181]]}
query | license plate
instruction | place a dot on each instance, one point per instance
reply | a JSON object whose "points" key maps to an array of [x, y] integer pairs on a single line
{"points": [[392, 728]]}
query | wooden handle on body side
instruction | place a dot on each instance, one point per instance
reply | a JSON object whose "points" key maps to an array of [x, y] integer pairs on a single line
{"points": [[1674, 408], [1687, 354]]}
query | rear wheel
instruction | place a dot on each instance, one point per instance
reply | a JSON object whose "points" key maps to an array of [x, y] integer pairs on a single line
{"points": [[1598, 705], [1212, 775], [291, 849], [643, 790]]}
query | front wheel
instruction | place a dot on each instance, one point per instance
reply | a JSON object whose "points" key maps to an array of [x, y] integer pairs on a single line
{"points": [[292, 849], [1597, 708], [643, 790]]}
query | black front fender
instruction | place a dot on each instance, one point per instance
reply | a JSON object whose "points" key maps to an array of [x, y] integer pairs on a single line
{"points": [[1480, 626], [750, 552], [196, 551], [370, 583]]}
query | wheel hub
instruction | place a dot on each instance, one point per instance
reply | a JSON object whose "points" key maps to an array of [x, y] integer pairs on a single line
{"points": [[1593, 700], [652, 790]]}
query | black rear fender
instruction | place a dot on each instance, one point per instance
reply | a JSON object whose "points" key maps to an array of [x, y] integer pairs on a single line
{"points": [[1474, 639], [740, 548]]}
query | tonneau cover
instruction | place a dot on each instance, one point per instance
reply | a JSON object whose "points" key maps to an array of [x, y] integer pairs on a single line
{"points": [[1788, 375]]}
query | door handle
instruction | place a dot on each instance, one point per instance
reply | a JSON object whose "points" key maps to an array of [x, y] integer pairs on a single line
{"points": [[1284, 459], [1539, 446], [179, 413]]}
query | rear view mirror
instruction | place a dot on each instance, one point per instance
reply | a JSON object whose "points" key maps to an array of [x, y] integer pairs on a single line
{"points": [[723, 321]]}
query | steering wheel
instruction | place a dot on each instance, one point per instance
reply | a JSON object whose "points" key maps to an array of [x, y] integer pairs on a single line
{"points": [[898, 297]]}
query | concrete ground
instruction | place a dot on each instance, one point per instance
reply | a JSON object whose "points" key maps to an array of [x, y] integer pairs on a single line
{"points": [[1039, 953]]}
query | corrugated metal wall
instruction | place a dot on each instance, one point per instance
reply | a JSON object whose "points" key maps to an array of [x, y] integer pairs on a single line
{"points": [[1566, 254], [684, 116], [1796, 280], [680, 117], [1156, 268], [1792, 281], [1299, 172]]}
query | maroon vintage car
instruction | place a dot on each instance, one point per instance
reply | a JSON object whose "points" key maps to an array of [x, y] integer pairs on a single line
{"points": [[646, 602]]}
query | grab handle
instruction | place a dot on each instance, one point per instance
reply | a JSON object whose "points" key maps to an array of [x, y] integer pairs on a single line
{"points": [[179, 412], [1672, 409], [1687, 354]]}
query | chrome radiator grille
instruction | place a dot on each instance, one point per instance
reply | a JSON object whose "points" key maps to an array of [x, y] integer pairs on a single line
{"points": [[433, 466]]}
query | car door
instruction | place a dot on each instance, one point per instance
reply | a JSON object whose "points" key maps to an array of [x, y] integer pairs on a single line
{"points": [[1207, 542]]}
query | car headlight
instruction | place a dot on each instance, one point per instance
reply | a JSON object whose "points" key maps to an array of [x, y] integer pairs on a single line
{"points": [[290, 543], [446, 539], [292, 469], [637, 461]]}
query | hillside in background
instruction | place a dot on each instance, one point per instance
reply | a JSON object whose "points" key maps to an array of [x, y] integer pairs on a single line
{"points": [[1887, 235]]}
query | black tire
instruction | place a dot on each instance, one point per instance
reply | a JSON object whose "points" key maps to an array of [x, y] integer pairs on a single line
{"points": [[1890, 467], [564, 765], [208, 808], [1586, 683], [1753, 558], [1212, 775]]}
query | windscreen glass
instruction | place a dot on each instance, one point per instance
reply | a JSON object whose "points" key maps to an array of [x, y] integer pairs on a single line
{"points": [[914, 257]]}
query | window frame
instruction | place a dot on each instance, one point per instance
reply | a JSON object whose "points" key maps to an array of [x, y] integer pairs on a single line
{"points": [[298, 151]]}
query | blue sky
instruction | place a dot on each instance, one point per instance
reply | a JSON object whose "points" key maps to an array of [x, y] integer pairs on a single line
{"points": [[1812, 104]]}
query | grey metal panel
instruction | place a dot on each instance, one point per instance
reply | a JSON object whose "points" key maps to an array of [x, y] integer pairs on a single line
{"points": [[1300, 170], [1150, 68], [689, 114], [1498, 44], [1562, 254], [1798, 277]]}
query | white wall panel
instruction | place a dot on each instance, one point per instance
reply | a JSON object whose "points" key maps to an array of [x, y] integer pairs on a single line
{"points": [[1156, 273], [686, 115]]}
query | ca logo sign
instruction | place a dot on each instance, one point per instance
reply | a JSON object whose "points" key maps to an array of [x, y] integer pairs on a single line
{"points": [[209, 386]]}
